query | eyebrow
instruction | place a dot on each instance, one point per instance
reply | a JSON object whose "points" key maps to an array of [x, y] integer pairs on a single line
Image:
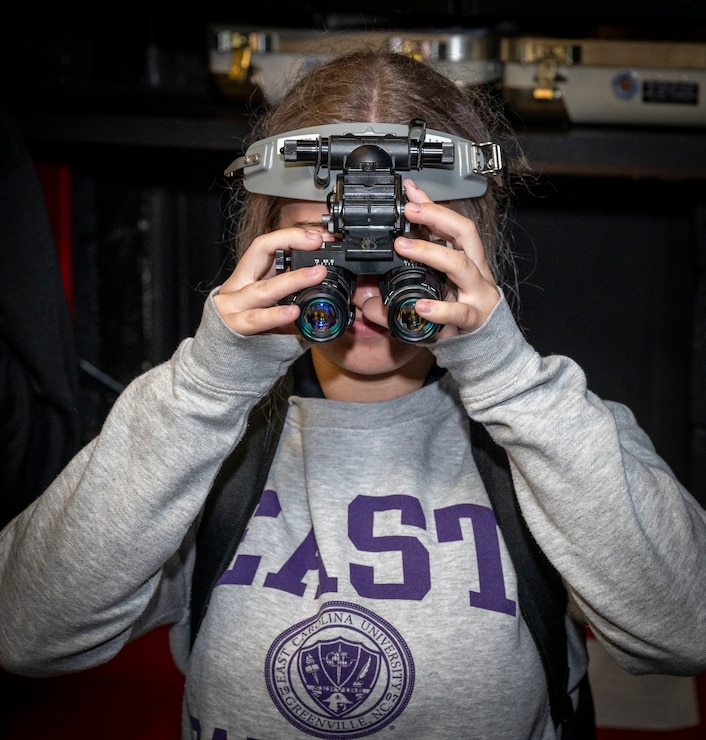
{"points": [[305, 224]]}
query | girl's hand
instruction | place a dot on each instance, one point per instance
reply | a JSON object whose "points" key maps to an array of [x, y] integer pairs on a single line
{"points": [[248, 299], [471, 290]]}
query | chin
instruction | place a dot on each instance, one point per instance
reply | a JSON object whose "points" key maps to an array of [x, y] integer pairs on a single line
{"points": [[372, 353]]}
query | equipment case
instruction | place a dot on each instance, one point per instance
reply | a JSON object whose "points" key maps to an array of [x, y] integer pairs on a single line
{"points": [[269, 59], [603, 81]]}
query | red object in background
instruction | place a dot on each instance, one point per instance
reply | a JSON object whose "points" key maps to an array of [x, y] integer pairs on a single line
{"points": [[136, 695], [690, 733], [55, 180]]}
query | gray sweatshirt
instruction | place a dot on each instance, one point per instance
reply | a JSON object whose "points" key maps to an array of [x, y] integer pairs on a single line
{"points": [[373, 591]]}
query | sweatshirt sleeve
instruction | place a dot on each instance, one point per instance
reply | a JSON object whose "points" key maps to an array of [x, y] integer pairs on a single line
{"points": [[627, 538], [79, 567]]}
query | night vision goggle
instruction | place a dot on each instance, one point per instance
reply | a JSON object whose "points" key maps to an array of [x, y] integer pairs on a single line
{"points": [[366, 206]]}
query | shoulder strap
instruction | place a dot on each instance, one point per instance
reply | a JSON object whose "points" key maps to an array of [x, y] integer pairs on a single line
{"points": [[233, 498], [541, 592]]}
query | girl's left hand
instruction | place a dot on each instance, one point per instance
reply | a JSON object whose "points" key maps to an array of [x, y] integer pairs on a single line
{"points": [[471, 290]]}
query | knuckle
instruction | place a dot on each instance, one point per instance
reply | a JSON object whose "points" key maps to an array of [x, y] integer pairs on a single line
{"points": [[260, 288], [244, 322]]}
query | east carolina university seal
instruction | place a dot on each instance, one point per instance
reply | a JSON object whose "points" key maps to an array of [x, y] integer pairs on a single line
{"points": [[343, 673]]}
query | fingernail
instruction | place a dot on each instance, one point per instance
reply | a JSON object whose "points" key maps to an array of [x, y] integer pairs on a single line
{"points": [[413, 207], [422, 304], [404, 243], [315, 235]]}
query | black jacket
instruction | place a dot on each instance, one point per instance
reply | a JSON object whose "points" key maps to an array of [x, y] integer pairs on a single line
{"points": [[39, 416]]}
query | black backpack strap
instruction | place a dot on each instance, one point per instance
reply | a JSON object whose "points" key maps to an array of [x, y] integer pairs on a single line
{"points": [[541, 592], [233, 498]]}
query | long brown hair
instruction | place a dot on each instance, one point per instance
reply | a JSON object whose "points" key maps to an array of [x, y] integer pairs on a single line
{"points": [[384, 87]]}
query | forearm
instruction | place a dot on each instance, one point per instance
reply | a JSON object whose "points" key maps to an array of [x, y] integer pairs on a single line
{"points": [[80, 566], [627, 539]]}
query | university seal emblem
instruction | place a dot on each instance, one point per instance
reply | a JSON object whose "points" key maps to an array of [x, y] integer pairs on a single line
{"points": [[343, 673]]}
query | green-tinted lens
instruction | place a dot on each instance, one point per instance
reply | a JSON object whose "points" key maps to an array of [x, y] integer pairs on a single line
{"points": [[408, 318]]}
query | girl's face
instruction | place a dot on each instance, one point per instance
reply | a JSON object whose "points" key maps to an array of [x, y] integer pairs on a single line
{"points": [[366, 349]]}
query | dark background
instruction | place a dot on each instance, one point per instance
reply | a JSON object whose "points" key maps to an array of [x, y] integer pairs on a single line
{"points": [[611, 239]]}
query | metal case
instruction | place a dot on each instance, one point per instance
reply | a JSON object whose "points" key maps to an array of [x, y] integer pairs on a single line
{"points": [[268, 60], [604, 81]]}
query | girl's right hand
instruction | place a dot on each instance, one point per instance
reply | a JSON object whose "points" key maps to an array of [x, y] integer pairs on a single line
{"points": [[248, 300]]}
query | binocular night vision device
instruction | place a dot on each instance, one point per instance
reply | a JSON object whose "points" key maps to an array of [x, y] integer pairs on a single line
{"points": [[365, 207]]}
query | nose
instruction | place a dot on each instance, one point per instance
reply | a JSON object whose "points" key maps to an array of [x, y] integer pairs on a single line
{"points": [[366, 286]]}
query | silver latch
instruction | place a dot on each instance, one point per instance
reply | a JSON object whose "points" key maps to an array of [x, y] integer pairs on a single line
{"points": [[247, 160], [488, 159]]}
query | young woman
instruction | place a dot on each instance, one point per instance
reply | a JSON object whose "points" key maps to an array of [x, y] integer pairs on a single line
{"points": [[375, 590]]}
